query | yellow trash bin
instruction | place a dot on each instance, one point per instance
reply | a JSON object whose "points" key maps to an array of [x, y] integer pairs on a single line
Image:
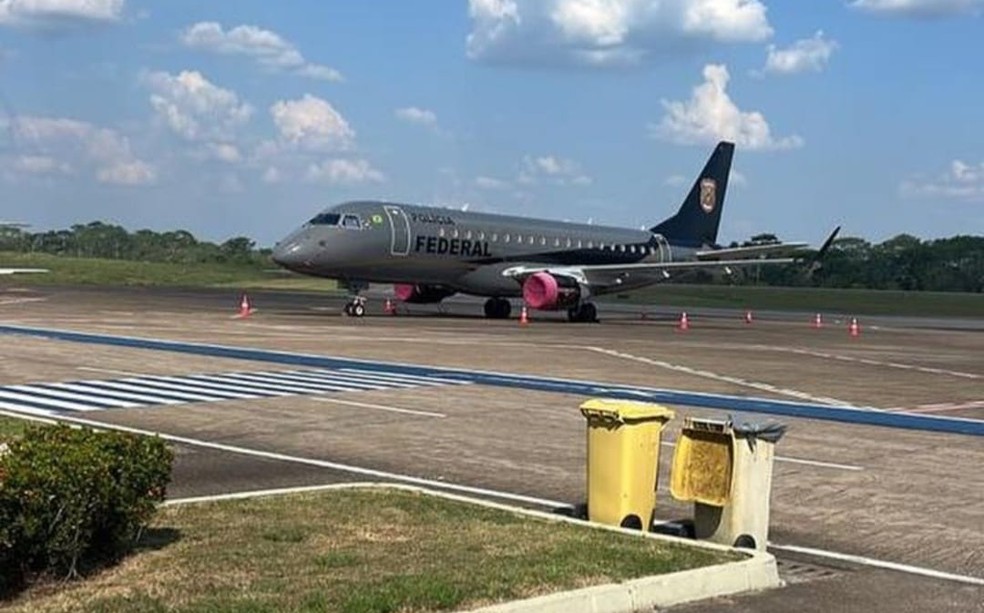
{"points": [[623, 460], [725, 469]]}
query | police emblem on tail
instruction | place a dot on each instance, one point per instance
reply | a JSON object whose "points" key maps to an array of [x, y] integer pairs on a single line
{"points": [[708, 194]]}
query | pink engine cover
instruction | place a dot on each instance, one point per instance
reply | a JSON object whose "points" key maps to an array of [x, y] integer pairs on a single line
{"points": [[404, 291], [541, 291]]}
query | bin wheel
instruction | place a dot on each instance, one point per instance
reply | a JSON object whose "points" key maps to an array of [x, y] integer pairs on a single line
{"points": [[632, 522], [745, 541]]}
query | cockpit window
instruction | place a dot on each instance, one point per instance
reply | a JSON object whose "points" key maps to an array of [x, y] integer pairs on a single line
{"points": [[352, 222], [325, 219]]}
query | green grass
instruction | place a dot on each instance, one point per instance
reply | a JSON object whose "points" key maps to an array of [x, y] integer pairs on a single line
{"points": [[96, 271], [358, 551], [849, 301], [10, 427]]}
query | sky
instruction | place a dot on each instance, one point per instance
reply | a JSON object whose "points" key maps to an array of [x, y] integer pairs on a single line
{"points": [[247, 117]]}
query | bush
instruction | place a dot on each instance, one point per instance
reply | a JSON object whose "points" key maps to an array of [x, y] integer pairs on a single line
{"points": [[72, 499]]}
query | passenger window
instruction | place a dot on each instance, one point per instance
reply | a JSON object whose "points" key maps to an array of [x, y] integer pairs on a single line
{"points": [[468, 235], [569, 242], [351, 222], [440, 232], [580, 244], [632, 249], [505, 238], [621, 248], [454, 233], [590, 244], [481, 236], [529, 239], [543, 240], [556, 242], [495, 237]]}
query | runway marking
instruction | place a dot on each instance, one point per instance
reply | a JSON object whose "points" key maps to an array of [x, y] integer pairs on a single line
{"points": [[865, 561], [13, 301], [111, 371], [475, 491], [940, 407], [141, 391], [804, 461], [579, 387], [870, 362], [767, 387], [381, 407]]}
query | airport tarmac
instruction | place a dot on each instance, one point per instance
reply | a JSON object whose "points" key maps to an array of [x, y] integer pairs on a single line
{"points": [[905, 496]]}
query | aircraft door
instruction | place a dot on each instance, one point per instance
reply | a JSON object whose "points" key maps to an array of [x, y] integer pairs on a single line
{"points": [[665, 255], [399, 230]]}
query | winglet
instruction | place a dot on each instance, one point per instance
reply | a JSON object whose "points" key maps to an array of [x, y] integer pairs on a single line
{"points": [[815, 261]]}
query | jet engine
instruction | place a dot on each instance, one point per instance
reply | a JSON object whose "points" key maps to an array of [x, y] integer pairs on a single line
{"points": [[421, 294], [548, 292]]}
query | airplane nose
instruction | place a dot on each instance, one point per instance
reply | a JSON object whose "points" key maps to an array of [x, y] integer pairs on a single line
{"points": [[291, 254]]}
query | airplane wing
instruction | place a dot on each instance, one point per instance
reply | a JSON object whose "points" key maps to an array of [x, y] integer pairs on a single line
{"points": [[615, 274], [17, 271], [753, 251]]}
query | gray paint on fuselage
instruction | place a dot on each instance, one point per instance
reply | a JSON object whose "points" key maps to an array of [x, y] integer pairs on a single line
{"points": [[466, 251]]}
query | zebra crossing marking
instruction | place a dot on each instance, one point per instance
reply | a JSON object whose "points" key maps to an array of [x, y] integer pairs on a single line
{"points": [[143, 390]]}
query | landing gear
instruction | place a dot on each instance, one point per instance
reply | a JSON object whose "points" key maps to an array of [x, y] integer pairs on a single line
{"points": [[497, 308], [356, 308], [584, 312]]}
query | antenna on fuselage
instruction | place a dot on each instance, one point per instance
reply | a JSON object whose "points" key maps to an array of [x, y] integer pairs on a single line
{"points": [[465, 206]]}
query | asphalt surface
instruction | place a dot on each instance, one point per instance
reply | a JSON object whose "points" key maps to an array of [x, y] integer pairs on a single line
{"points": [[909, 497]]}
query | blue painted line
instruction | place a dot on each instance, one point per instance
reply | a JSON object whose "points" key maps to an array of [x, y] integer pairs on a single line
{"points": [[930, 423]]}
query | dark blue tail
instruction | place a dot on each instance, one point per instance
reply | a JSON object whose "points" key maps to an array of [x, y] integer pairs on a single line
{"points": [[696, 223]]}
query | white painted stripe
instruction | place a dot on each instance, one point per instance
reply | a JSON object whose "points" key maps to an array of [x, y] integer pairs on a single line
{"points": [[51, 402], [173, 393], [100, 393], [292, 388], [326, 383], [380, 407], [112, 371], [905, 568], [767, 387], [238, 385], [870, 362], [71, 395], [364, 382], [136, 390], [187, 386], [315, 387], [356, 470], [17, 410], [426, 378], [273, 389], [207, 386]]}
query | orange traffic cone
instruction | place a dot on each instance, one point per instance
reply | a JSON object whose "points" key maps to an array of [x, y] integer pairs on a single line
{"points": [[245, 308], [524, 316], [818, 322], [854, 329], [748, 317], [684, 322], [389, 308]]}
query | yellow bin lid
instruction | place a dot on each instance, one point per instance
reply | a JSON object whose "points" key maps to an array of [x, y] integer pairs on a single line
{"points": [[611, 409]]}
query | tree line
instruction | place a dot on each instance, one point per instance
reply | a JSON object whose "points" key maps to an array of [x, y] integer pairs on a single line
{"points": [[101, 240], [903, 262]]}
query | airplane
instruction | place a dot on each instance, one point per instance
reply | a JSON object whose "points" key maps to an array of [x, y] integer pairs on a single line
{"points": [[18, 271], [431, 253]]}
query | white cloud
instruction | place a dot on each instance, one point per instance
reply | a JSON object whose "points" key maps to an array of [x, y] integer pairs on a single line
{"points": [[962, 181], [37, 165], [60, 144], [607, 32], [312, 123], [710, 115], [557, 170], [269, 49], [808, 54], [272, 175], [194, 108], [223, 152], [675, 180], [412, 114], [344, 172], [920, 8], [56, 13], [491, 183]]}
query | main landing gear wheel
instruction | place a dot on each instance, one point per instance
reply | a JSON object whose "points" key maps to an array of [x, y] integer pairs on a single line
{"points": [[356, 308], [497, 308], [584, 312]]}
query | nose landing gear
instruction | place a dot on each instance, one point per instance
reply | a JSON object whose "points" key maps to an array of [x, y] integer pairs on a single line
{"points": [[356, 307]]}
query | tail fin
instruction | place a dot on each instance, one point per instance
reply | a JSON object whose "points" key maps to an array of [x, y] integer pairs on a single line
{"points": [[697, 221]]}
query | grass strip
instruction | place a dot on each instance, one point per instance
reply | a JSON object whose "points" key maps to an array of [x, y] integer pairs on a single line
{"points": [[358, 551]]}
